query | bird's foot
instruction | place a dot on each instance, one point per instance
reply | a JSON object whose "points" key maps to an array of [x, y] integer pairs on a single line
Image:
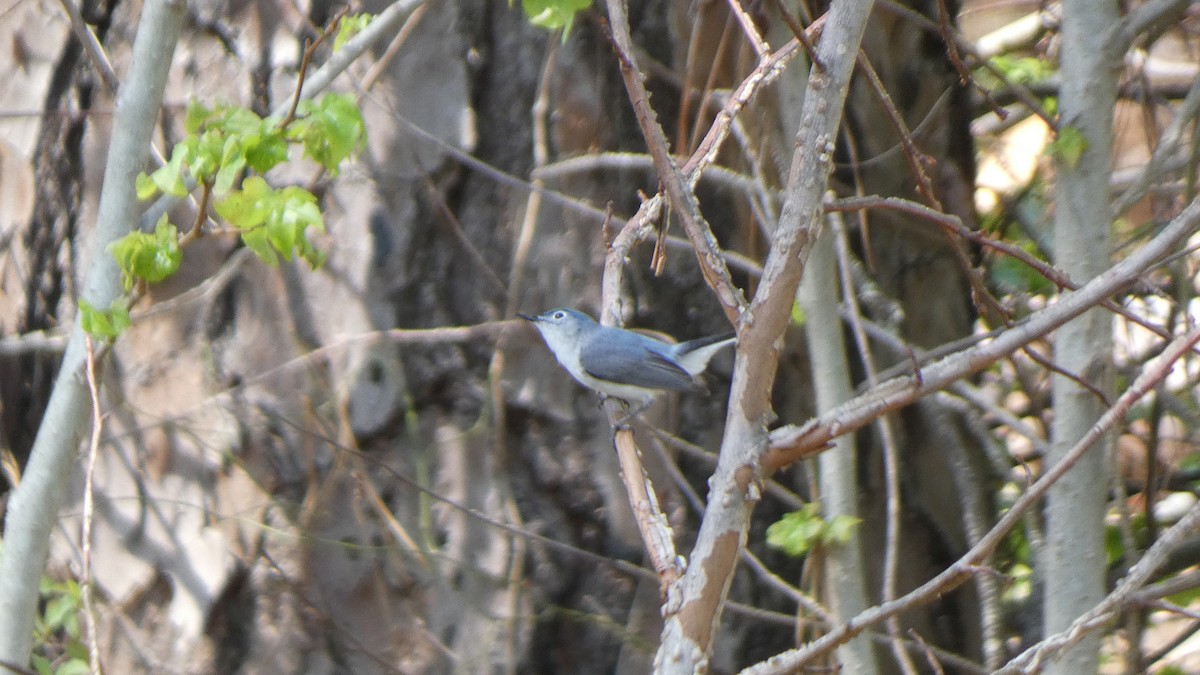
{"points": [[626, 420]]}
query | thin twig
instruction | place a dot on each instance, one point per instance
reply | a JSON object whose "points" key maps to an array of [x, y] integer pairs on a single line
{"points": [[774, 488], [696, 502], [916, 159], [793, 443], [451, 223], [953, 224], [310, 48], [930, 657], [91, 46], [100, 61], [36, 342], [89, 609], [710, 83], [756, 40], [382, 466], [1020, 91], [393, 48], [801, 35], [1033, 659], [887, 437], [967, 565], [653, 525], [683, 199], [201, 216], [539, 114], [637, 228], [1144, 17], [1168, 144]]}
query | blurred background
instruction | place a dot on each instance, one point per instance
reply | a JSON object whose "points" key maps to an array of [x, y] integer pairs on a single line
{"points": [[283, 488]]}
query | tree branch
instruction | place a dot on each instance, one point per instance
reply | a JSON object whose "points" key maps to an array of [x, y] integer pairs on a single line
{"points": [[694, 607], [33, 509], [791, 443], [682, 198], [967, 565]]}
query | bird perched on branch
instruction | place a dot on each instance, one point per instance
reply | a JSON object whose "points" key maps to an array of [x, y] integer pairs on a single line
{"points": [[621, 363]]}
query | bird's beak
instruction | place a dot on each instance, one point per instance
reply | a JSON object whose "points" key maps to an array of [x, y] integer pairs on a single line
{"points": [[531, 319]]}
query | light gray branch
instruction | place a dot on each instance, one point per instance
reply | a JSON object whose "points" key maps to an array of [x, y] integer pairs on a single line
{"points": [[33, 509], [1168, 144], [1032, 659], [967, 565], [1073, 561], [695, 603], [846, 579]]}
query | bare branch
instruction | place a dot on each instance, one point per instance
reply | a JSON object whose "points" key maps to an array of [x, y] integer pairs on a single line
{"points": [[1033, 659], [694, 607], [33, 509], [967, 565], [790, 443], [683, 199], [1151, 16], [1168, 143]]}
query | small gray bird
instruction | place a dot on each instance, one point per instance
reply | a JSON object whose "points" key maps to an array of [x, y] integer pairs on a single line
{"points": [[623, 364]]}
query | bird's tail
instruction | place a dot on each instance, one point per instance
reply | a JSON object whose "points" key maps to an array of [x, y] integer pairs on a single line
{"points": [[694, 355]]}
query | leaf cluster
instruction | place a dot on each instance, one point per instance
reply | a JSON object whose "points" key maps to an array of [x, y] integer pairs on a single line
{"points": [[104, 324], [150, 257], [348, 27], [57, 629], [800, 532], [226, 150], [554, 14], [274, 222]]}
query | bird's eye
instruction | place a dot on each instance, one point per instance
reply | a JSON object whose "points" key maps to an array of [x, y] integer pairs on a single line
{"points": [[559, 315]]}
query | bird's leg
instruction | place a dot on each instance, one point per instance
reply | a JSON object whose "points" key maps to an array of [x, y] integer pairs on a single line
{"points": [[623, 422], [630, 414]]}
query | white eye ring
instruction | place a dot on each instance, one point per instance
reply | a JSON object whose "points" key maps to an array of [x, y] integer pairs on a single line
{"points": [[560, 315]]}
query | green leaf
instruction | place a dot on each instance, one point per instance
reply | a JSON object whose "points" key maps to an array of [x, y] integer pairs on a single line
{"points": [[797, 532], [801, 531], [105, 324], [233, 161], [197, 115], [1023, 69], [58, 610], [266, 149], [331, 129], [553, 14], [225, 139], [348, 28], [841, 528], [798, 317], [151, 257], [73, 667], [1010, 275], [167, 178], [76, 649], [145, 187], [274, 222], [1114, 543], [1020, 586], [1068, 147]]}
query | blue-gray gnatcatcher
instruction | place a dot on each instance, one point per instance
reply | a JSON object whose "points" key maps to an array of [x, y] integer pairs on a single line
{"points": [[623, 364]]}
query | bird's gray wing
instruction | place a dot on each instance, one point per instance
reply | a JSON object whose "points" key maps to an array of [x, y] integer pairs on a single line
{"points": [[633, 362]]}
